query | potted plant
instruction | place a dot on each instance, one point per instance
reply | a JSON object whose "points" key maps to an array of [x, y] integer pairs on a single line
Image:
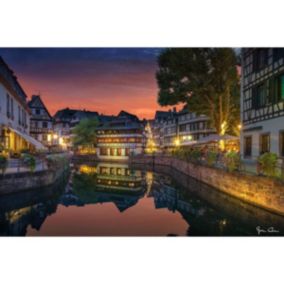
{"points": [[267, 164], [29, 161], [232, 161]]}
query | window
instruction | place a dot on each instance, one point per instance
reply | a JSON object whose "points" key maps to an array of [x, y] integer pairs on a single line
{"points": [[278, 53], [37, 111], [19, 116], [103, 151], [264, 143], [112, 151], [280, 87], [8, 105], [260, 58], [281, 143], [119, 152], [127, 152], [259, 96], [12, 108], [44, 124], [247, 146], [182, 128], [103, 170]]}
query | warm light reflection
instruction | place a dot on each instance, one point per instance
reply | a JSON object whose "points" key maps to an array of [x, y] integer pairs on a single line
{"points": [[85, 169]]}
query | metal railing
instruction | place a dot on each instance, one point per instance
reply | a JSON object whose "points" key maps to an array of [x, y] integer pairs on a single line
{"points": [[19, 166], [246, 166]]}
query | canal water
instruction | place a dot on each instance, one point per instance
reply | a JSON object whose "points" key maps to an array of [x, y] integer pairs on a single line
{"points": [[112, 199]]}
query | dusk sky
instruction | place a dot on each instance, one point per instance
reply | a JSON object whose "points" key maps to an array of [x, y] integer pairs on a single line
{"points": [[106, 80]]}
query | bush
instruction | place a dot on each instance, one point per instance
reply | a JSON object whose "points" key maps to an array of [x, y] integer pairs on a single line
{"points": [[29, 161], [268, 164], [3, 163], [211, 158], [232, 161], [195, 156]]}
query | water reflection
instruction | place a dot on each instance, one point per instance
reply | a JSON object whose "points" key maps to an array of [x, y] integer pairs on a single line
{"points": [[113, 199]]}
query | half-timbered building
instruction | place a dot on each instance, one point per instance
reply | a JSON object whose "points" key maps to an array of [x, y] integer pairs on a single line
{"points": [[41, 126], [120, 137], [262, 102]]}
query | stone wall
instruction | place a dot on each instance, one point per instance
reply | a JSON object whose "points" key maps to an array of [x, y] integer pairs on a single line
{"points": [[12, 183], [260, 191]]}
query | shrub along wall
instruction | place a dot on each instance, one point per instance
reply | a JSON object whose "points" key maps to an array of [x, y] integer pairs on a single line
{"points": [[261, 191]]}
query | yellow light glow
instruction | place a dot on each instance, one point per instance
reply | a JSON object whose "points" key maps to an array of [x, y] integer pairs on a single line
{"points": [[223, 127], [61, 141], [239, 126], [87, 169], [55, 136], [177, 142], [49, 137]]}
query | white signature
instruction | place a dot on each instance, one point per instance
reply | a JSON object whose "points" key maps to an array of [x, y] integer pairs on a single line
{"points": [[270, 230]]}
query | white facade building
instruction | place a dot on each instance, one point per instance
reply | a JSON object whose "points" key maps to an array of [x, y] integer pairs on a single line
{"points": [[262, 102], [14, 114]]}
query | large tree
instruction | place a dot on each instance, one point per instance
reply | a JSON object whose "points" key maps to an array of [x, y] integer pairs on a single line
{"points": [[84, 133], [205, 80]]}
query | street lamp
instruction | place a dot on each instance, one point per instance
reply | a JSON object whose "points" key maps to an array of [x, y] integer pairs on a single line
{"points": [[177, 142]]}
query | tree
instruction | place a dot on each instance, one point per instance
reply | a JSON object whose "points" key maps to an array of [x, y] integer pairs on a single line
{"points": [[205, 80], [85, 133]]}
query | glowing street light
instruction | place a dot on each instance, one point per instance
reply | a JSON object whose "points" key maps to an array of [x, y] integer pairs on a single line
{"points": [[177, 142]]}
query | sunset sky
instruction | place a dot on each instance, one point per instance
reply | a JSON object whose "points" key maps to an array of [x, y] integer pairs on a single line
{"points": [[106, 80]]}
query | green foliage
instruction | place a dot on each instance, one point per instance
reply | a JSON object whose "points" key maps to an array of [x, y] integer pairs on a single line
{"points": [[190, 155], [232, 161], [3, 163], [85, 186], [211, 158], [195, 156], [57, 161], [29, 161], [85, 133], [268, 164], [205, 80]]}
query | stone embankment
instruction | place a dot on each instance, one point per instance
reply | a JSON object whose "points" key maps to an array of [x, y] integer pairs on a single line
{"points": [[261, 191]]}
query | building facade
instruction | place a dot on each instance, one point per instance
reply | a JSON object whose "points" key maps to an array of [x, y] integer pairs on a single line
{"points": [[181, 128], [262, 102], [120, 137], [14, 112], [65, 120], [41, 122]]}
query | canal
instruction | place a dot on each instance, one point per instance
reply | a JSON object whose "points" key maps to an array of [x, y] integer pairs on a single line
{"points": [[111, 199]]}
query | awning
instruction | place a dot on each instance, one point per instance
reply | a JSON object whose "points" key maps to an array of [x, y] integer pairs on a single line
{"points": [[29, 139]]}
